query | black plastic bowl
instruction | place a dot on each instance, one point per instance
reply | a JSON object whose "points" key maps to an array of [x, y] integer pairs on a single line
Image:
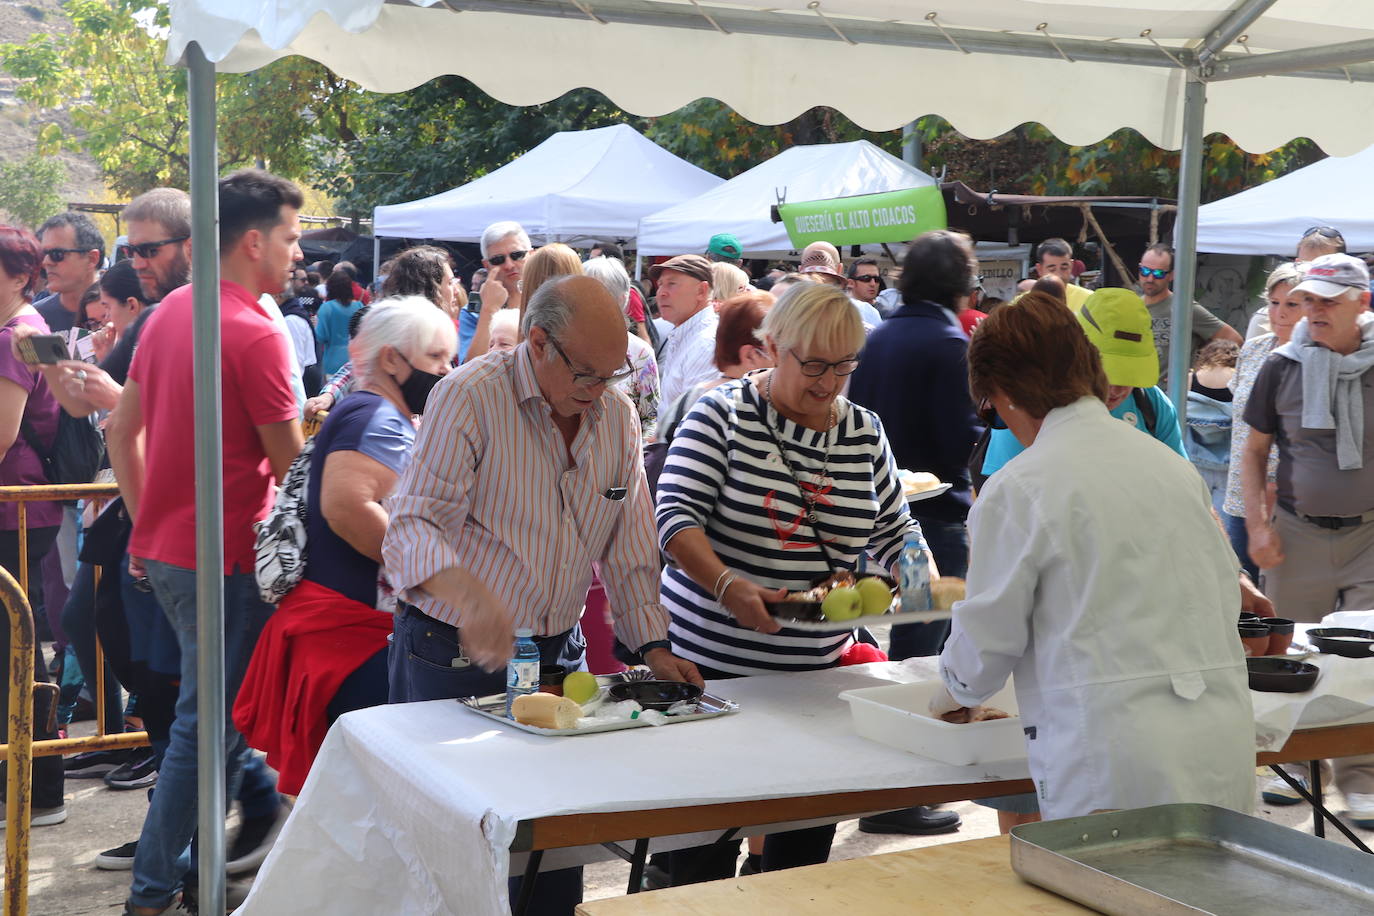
{"points": [[658, 695], [1343, 641], [1281, 675], [811, 610]]}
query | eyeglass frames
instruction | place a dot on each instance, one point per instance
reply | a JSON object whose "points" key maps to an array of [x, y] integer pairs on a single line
{"points": [[815, 368], [1156, 272], [58, 255], [1326, 232], [497, 260], [589, 379], [149, 250]]}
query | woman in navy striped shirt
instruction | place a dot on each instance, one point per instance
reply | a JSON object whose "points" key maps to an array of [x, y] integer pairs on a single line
{"points": [[773, 481]]}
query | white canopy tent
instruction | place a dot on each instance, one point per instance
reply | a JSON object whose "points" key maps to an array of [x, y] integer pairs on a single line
{"points": [[576, 186], [1172, 69], [1270, 218], [741, 205]]}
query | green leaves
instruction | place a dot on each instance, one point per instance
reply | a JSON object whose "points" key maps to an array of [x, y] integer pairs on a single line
{"points": [[29, 189]]}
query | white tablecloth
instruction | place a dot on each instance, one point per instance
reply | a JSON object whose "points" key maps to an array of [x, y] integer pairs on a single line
{"points": [[1343, 694], [412, 809]]}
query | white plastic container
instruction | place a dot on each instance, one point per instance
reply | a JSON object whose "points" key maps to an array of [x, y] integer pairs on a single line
{"points": [[897, 715]]}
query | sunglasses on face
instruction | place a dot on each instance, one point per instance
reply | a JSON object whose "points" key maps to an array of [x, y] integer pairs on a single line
{"points": [[58, 255], [497, 260], [149, 250], [867, 278], [590, 379], [1155, 272], [989, 415], [815, 368]]}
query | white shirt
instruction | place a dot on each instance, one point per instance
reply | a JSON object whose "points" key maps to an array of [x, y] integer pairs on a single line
{"points": [[269, 305], [689, 355], [1100, 581]]}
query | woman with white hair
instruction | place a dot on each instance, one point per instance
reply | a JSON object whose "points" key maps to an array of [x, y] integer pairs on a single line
{"points": [[642, 384], [773, 481], [323, 653]]}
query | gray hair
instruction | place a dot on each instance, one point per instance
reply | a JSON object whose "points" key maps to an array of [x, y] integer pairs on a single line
{"points": [[170, 208], [503, 230], [548, 308], [88, 237], [1287, 272], [612, 275], [407, 324]]}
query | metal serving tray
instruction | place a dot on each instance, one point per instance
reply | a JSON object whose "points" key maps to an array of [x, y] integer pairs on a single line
{"points": [[1192, 859]]}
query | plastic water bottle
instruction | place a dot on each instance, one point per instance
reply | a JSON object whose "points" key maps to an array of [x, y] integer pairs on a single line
{"points": [[914, 570], [522, 671]]}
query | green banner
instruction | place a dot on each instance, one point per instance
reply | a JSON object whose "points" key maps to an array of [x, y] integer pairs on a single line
{"points": [[892, 216]]}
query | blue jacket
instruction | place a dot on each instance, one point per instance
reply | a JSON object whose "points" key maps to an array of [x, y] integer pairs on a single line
{"points": [[914, 376]]}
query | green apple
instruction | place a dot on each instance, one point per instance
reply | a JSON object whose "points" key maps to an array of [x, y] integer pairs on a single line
{"points": [[843, 603], [580, 686], [875, 594]]}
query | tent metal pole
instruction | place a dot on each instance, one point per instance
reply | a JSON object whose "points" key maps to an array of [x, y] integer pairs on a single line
{"points": [[1345, 54], [1231, 28], [210, 750], [639, 266], [911, 144], [1185, 242], [376, 255]]}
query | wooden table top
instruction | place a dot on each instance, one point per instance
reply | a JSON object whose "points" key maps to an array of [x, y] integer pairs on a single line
{"points": [[952, 879]]}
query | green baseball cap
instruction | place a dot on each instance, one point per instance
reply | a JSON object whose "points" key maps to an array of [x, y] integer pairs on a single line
{"points": [[1118, 324], [724, 247]]}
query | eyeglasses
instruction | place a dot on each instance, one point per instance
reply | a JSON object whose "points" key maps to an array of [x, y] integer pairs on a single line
{"points": [[57, 255], [149, 250], [1155, 272], [1326, 232], [497, 260], [989, 415], [867, 278], [815, 368], [589, 379]]}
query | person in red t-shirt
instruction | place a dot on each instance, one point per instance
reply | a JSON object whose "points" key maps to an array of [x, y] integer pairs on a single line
{"points": [[259, 231]]}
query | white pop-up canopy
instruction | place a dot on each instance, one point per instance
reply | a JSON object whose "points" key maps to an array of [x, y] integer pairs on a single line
{"points": [[1270, 218], [741, 205], [576, 186]]}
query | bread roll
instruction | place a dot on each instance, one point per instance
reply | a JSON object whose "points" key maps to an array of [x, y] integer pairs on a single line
{"points": [[544, 710], [944, 591]]}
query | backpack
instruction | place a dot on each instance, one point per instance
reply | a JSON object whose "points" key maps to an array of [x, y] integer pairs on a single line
{"points": [[279, 548], [980, 449], [78, 449]]}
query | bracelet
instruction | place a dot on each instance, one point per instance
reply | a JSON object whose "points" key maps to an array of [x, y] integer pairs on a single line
{"points": [[715, 589], [729, 581]]}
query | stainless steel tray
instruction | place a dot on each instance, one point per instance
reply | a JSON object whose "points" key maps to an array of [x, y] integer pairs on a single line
{"points": [[1192, 859]]}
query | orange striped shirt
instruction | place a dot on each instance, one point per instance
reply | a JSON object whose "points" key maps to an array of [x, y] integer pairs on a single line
{"points": [[489, 489]]}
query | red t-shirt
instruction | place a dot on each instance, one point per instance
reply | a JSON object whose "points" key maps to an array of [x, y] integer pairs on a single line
{"points": [[635, 307], [969, 318], [256, 391]]}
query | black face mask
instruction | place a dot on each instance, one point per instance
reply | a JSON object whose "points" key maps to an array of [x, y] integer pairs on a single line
{"points": [[416, 388]]}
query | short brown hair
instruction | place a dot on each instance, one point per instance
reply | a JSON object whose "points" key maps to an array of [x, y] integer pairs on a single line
{"points": [[1035, 353], [740, 319]]}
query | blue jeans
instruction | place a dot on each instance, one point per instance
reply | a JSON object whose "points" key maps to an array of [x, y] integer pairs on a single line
{"points": [[164, 853], [1240, 543], [421, 652], [948, 542]]}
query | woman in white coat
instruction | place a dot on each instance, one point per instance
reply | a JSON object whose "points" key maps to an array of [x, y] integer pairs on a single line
{"points": [[1100, 581]]}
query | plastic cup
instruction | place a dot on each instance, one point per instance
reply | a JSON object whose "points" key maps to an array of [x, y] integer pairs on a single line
{"points": [[551, 679], [1254, 637]]}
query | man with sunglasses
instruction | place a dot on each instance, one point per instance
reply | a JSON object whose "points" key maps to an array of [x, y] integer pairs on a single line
{"points": [[1156, 278], [73, 250], [865, 282], [504, 248], [475, 551]]}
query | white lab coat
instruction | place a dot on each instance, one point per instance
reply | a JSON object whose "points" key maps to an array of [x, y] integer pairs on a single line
{"points": [[1099, 579]]}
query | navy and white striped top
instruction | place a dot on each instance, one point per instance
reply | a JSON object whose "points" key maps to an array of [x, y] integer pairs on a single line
{"points": [[723, 474]]}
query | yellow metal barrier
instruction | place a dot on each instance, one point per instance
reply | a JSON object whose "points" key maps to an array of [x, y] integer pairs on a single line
{"points": [[21, 748]]}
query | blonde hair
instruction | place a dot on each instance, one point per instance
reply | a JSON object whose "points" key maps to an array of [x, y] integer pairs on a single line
{"points": [[543, 264], [814, 315], [727, 281]]}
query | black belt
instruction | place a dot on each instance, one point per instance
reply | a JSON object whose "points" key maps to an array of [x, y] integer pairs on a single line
{"points": [[1337, 522]]}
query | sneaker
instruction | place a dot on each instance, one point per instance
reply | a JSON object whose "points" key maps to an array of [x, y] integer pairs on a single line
{"points": [[94, 763], [138, 772], [1361, 810], [254, 841], [918, 821], [1278, 792], [41, 817], [121, 858]]}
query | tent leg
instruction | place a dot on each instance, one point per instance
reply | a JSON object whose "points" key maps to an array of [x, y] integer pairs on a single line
{"points": [[639, 266], [376, 256], [1185, 242], [210, 750]]}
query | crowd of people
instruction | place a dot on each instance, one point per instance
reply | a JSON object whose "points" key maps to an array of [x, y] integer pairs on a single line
{"points": [[632, 471]]}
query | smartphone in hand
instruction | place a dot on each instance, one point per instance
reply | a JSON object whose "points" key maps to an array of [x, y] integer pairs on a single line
{"points": [[43, 349]]}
